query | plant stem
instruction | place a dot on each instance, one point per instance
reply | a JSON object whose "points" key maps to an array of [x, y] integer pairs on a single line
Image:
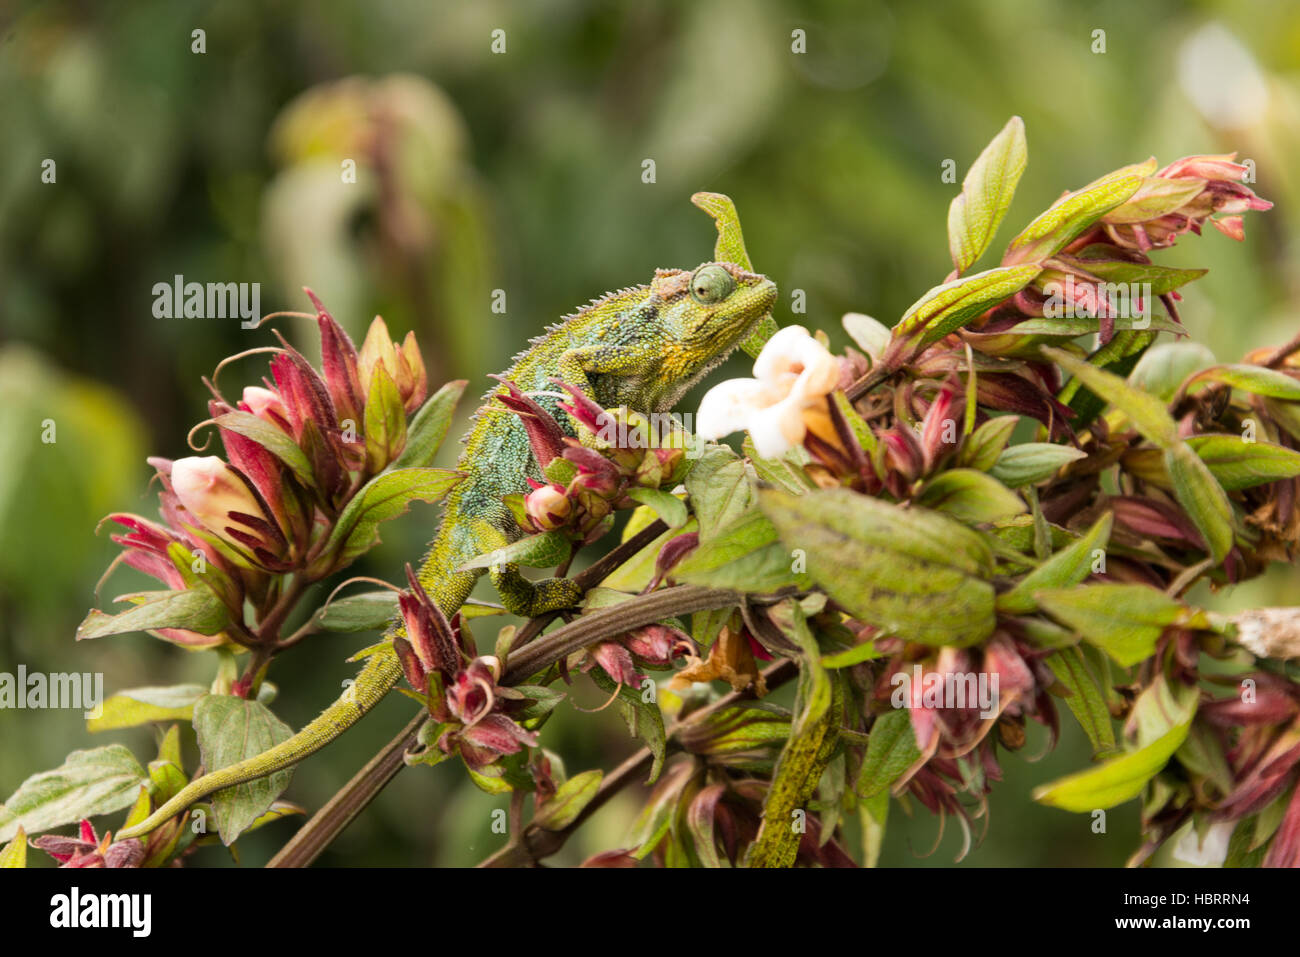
{"points": [[327, 823]]}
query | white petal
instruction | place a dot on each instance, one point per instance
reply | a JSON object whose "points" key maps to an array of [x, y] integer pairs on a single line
{"points": [[1211, 852], [769, 438], [779, 428], [780, 353], [821, 371], [728, 407]]}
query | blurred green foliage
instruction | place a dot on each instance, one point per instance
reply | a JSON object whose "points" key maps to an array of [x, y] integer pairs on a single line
{"points": [[521, 171]]}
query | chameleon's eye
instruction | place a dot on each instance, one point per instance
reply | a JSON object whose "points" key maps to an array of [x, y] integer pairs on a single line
{"points": [[711, 284]]}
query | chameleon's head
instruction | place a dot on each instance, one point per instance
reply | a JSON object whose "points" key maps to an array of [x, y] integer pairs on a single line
{"points": [[710, 310]]}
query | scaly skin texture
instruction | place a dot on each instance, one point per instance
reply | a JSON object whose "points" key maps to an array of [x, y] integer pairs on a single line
{"points": [[641, 347]]}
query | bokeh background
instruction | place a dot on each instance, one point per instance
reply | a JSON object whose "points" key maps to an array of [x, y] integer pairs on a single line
{"points": [[522, 171]]}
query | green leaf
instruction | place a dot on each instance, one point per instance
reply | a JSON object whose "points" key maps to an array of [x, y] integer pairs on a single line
{"points": [[544, 701], [1085, 701], [1124, 620], [948, 307], [873, 813], [1202, 498], [362, 612], [429, 427], [1254, 379], [1070, 327], [721, 488], [1164, 366], [1197, 492], [986, 194], [986, 443], [229, 730], [1070, 215], [1146, 412], [1237, 464], [385, 420], [644, 720], [1033, 462], [272, 438], [127, 709], [277, 811], [871, 335], [568, 801], [910, 572], [1162, 279], [665, 504], [891, 750], [972, 496], [1112, 782], [746, 555], [199, 611], [852, 656], [1068, 567], [87, 784], [1164, 720], [738, 730], [1157, 197], [383, 498], [544, 550], [14, 854], [785, 472]]}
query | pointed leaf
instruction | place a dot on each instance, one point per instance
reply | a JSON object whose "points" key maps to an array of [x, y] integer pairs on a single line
{"points": [[429, 427], [198, 611], [974, 497], [909, 572], [1070, 215], [1124, 620], [986, 194], [230, 729], [567, 802], [87, 784], [137, 706], [1068, 567], [384, 497]]}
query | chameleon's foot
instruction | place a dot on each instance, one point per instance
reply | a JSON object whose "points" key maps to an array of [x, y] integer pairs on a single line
{"points": [[529, 599]]}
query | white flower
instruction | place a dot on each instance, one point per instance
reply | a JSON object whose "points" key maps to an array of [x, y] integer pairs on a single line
{"points": [[1210, 852], [793, 374]]}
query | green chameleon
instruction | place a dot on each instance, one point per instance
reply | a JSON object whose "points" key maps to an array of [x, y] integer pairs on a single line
{"points": [[642, 348]]}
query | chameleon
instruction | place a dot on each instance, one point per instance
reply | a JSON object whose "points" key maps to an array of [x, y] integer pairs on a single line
{"points": [[642, 347]]}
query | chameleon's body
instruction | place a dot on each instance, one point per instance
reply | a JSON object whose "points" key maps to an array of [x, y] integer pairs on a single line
{"points": [[641, 347]]}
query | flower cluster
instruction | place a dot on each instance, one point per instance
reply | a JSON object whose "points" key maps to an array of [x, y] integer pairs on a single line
{"points": [[88, 850], [460, 688], [298, 449], [1084, 533], [588, 479]]}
